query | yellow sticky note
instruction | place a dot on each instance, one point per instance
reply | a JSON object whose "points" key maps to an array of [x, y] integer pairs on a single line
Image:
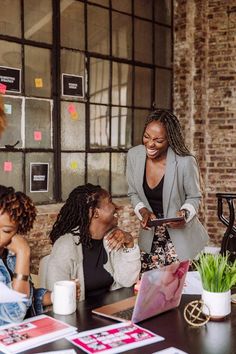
{"points": [[74, 165], [38, 82], [74, 115]]}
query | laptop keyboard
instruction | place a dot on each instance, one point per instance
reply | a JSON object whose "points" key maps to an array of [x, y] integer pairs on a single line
{"points": [[125, 314]]}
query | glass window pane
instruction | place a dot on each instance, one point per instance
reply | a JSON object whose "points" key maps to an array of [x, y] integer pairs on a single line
{"points": [[118, 177], [99, 80], [143, 41], [121, 35], [163, 46], [163, 88], [72, 63], [99, 126], [38, 158], [101, 2], [163, 11], [98, 30], [143, 8], [139, 120], [72, 126], [121, 123], [11, 169], [72, 172], [121, 84], [122, 5], [10, 54], [98, 169], [72, 18], [10, 18], [38, 124], [143, 85], [38, 20], [37, 72], [13, 111]]}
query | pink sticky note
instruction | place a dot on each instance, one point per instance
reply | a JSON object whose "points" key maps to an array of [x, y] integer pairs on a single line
{"points": [[7, 166], [71, 108], [3, 88], [37, 136]]}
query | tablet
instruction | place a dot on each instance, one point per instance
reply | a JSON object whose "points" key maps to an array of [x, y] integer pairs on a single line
{"points": [[159, 222]]}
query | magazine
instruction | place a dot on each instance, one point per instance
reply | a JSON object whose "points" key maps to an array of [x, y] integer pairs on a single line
{"points": [[32, 332], [116, 338]]}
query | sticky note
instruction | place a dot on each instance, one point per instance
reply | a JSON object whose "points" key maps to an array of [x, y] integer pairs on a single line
{"points": [[74, 115], [38, 82], [3, 88], [71, 108], [74, 165], [8, 108], [7, 167], [37, 135]]}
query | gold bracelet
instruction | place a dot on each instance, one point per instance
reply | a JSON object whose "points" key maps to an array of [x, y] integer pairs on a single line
{"points": [[19, 276]]}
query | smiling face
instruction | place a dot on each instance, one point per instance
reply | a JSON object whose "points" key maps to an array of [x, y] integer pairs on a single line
{"points": [[8, 229], [155, 140], [107, 210]]}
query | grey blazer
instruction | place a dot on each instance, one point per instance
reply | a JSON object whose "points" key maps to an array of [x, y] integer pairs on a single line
{"points": [[181, 185]]}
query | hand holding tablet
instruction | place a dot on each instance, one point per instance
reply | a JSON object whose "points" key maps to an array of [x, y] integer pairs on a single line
{"points": [[161, 221]]}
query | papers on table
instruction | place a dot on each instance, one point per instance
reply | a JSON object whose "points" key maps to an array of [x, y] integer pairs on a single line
{"points": [[64, 351], [192, 284], [116, 338], [10, 295], [32, 332], [171, 350]]}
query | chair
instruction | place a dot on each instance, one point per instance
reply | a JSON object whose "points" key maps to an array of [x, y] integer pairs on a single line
{"points": [[43, 266]]}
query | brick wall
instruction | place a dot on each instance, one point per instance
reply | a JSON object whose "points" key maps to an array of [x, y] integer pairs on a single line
{"points": [[205, 95]]}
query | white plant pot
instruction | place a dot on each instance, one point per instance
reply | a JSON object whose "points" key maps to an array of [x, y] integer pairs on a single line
{"points": [[217, 305]]}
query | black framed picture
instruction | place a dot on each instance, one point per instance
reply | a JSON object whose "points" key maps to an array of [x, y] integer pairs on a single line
{"points": [[39, 177], [72, 85], [11, 78]]}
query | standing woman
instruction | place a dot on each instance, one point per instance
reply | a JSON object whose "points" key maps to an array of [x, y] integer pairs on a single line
{"points": [[17, 215], [88, 245], [163, 180]]}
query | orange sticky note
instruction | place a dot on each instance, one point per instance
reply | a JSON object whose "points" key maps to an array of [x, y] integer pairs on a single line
{"points": [[38, 82], [3, 88], [7, 167], [74, 115], [74, 165], [37, 135]]}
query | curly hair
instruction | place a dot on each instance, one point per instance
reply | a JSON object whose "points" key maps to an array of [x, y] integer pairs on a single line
{"points": [[19, 207], [75, 215], [173, 130]]}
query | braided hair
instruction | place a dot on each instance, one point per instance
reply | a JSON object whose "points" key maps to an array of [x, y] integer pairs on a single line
{"points": [[173, 130], [75, 215], [19, 207]]}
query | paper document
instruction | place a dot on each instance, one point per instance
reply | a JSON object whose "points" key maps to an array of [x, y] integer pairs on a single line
{"points": [[64, 351], [192, 284], [10, 295]]}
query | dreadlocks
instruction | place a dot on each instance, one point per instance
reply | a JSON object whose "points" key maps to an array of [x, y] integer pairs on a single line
{"points": [[19, 207], [75, 215], [173, 130]]}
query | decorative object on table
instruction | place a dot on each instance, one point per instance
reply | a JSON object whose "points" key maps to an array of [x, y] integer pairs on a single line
{"points": [[193, 314], [229, 239], [218, 276]]}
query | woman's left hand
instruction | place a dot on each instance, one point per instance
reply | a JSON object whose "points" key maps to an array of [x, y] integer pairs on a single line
{"points": [[118, 239], [178, 224]]}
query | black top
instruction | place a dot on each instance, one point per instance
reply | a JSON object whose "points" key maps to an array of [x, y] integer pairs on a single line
{"points": [[96, 279], [154, 196]]}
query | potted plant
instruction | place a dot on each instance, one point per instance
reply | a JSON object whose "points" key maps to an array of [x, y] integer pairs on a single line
{"points": [[218, 276]]}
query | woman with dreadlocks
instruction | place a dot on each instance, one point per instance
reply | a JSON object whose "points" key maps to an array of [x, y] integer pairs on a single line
{"points": [[88, 245], [163, 181], [17, 215]]}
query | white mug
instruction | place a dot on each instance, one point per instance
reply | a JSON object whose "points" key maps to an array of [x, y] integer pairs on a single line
{"points": [[64, 297]]}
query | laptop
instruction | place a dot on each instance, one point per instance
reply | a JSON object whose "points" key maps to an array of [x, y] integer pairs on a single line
{"points": [[160, 290]]}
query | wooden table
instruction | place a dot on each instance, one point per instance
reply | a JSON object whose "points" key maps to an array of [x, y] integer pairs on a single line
{"points": [[213, 338]]}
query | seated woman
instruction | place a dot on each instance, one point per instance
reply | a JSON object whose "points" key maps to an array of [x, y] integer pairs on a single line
{"points": [[17, 215], [88, 245]]}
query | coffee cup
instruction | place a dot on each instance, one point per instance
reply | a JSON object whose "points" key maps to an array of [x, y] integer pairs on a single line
{"points": [[64, 297]]}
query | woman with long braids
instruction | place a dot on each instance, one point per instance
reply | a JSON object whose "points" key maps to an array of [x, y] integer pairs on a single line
{"points": [[89, 247], [163, 180], [17, 215]]}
